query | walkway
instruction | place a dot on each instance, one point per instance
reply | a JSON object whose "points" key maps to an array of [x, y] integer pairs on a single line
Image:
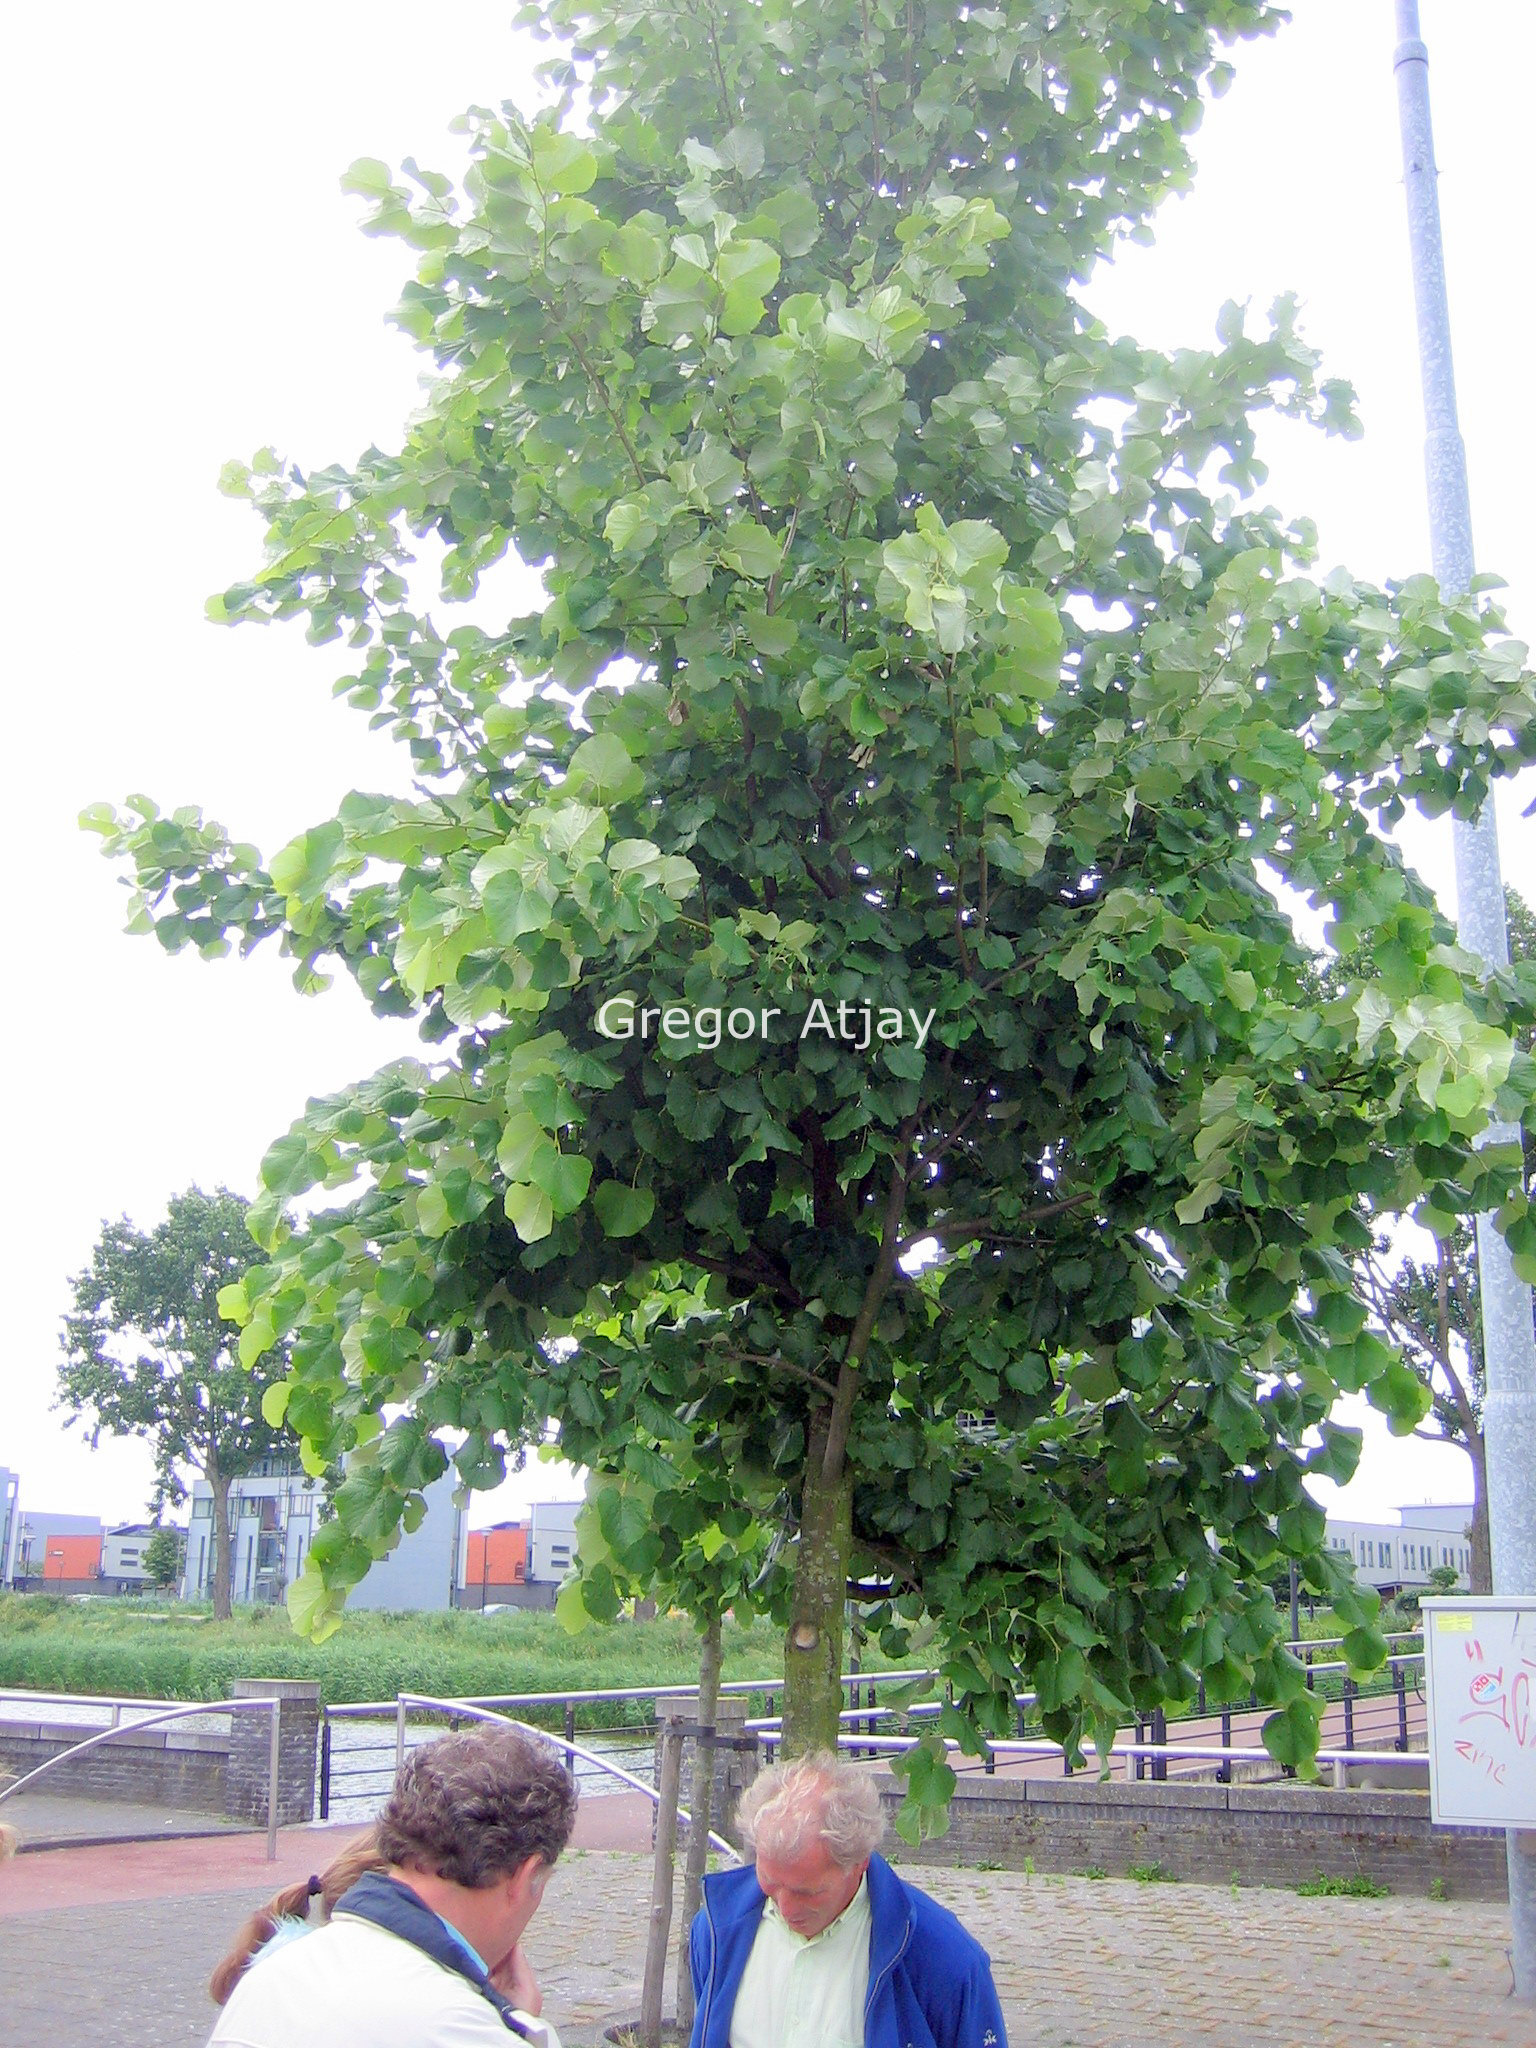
{"points": [[111, 1948]]}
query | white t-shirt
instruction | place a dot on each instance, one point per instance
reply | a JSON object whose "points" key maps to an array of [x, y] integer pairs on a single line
{"points": [[350, 1984], [799, 1993]]}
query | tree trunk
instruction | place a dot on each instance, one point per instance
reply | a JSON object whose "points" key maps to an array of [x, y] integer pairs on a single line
{"points": [[223, 1568], [661, 1887], [813, 1648], [1481, 1573], [701, 1814]]}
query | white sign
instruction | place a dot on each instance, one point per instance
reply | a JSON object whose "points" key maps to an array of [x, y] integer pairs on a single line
{"points": [[1480, 1681]]}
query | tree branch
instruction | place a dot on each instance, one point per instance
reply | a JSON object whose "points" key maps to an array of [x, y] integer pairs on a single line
{"points": [[869, 1310], [964, 1230], [777, 1362]]}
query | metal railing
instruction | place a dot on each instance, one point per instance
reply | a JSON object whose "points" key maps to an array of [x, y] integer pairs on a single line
{"points": [[462, 1708], [271, 1707], [566, 1704], [1339, 1759], [1376, 1709], [115, 1701]]}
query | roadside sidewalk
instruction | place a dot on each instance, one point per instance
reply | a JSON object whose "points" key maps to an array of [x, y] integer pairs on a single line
{"points": [[111, 1948]]}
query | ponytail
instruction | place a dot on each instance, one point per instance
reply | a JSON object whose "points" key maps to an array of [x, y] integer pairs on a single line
{"points": [[293, 1903]]}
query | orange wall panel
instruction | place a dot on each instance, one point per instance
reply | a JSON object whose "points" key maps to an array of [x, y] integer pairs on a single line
{"points": [[72, 1557], [497, 1557]]}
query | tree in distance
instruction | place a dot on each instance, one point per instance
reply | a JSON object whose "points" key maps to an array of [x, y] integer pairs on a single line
{"points": [[148, 1353], [1429, 1305], [920, 681], [163, 1557]]}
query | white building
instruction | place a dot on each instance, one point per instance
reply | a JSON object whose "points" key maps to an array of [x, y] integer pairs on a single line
{"points": [[552, 1539], [122, 1551], [420, 1574], [274, 1512], [10, 1522], [1404, 1553]]}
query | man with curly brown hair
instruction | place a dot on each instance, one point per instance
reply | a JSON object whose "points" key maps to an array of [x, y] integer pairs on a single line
{"points": [[424, 1950]]}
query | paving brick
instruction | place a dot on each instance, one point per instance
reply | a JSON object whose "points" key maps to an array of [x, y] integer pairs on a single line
{"points": [[1079, 1964]]}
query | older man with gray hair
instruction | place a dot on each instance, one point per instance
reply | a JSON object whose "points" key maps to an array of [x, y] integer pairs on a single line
{"points": [[819, 1944]]}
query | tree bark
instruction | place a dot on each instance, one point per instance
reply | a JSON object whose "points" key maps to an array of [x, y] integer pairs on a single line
{"points": [[1481, 1573], [222, 1566], [813, 1648], [701, 1814], [661, 1888]]}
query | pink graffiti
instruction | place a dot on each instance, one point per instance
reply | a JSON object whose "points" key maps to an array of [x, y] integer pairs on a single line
{"points": [[1470, 1753]]}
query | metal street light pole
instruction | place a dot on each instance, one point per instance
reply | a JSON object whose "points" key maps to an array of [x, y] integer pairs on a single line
{"points": [[1509, 1348]]}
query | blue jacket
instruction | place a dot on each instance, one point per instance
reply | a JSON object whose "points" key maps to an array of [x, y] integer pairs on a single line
{"points": [[930, 1983]]}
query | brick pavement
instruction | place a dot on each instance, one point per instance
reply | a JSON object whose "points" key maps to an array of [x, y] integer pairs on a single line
{"points": [[1080, 1964]]}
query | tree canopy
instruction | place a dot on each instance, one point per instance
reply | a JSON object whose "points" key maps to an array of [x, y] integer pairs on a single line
{"points": [[163, 1558], [874, 1094], [148, 1353]]}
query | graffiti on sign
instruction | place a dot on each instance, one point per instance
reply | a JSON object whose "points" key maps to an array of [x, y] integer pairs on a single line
{"points": [[1480, 1668]]}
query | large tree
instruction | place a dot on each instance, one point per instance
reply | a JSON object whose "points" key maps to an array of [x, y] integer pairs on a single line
{"points": [[148, 1353], [919, 680]]}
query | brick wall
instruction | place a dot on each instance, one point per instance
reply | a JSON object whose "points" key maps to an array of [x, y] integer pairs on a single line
{"points": [[250, 1750], [160, 1767], [1211, 1834], [205, 1772]]}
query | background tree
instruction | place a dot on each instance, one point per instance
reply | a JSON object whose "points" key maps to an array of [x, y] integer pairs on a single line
{"points": [[164, 1556], [148, 1353], [941, 696], [1431, 1308]]}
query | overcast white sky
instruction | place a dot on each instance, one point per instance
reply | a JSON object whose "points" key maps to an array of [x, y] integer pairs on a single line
{"points": [[188, 285]]}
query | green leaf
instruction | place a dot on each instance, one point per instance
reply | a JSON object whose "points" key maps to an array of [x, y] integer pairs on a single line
{"points": [[313, 1608], [571, 1607], [1290, 1735], [529, 1211], [524, 1142], [562, 164], [751, 550], [234, 1303], [366, 175], [304, 867], [621, 1210], [603, 765], [565, 1178]]}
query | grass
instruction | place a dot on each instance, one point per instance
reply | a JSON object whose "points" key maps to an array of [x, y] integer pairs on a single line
{"points": [[49, 1644], [1151, 1873], [1359, 1886]]}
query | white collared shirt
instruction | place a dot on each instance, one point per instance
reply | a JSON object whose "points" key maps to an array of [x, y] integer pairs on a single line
{"points": [[799, 1993]]}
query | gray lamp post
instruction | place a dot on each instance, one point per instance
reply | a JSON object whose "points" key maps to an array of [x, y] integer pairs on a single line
{"points": [[1509, 1349]]}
